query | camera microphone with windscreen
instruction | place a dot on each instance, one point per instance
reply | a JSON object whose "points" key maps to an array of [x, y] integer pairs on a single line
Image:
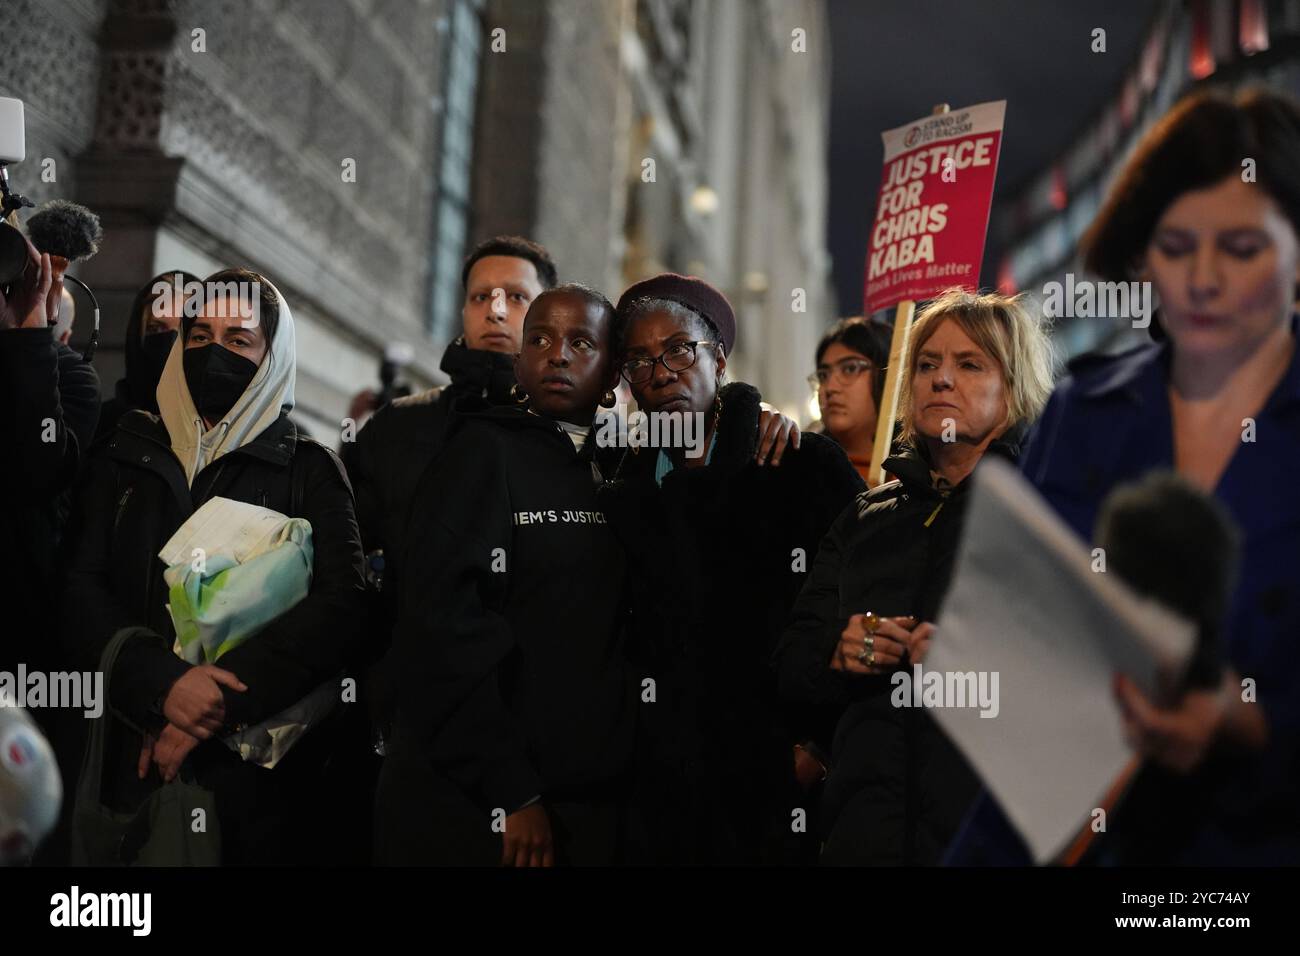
{"points": [[70, 231]]}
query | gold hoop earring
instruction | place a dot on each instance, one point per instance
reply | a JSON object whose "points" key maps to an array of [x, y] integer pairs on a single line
{"points": [[518, 394]]}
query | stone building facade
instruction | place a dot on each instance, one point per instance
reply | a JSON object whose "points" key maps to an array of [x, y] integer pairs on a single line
{"points": [[730, 101], [207, 133], [353, 149]]}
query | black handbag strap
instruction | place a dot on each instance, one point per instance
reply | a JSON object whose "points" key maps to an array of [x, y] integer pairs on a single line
{"points": [[92, 759]]}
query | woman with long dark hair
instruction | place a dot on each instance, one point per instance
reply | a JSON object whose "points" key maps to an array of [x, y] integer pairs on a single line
{"points": [[850, 381]]}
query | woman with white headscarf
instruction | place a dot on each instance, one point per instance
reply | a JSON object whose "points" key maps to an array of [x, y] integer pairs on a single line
{"points": [[223, 432]]}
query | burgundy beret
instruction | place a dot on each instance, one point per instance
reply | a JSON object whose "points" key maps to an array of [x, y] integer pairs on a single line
{"points": [[692, 292]]}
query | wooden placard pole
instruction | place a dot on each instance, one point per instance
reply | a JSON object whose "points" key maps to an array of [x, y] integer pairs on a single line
{"points": [[893, 378]]}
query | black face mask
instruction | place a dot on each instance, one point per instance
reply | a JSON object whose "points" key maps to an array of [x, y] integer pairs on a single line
{"points": [[147, 368], [216, 377]]}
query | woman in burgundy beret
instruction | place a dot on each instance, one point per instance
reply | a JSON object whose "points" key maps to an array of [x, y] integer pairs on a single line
{"points": [[719, 546]]}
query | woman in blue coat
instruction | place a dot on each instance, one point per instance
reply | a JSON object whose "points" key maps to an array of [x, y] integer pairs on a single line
{"points": [[1217, 399]]}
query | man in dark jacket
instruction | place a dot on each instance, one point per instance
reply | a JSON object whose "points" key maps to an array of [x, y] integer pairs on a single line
{"points": [[49, 400], [501, 277]]}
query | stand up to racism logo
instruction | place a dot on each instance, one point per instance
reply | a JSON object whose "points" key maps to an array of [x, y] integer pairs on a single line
{"points": [[933, 208]]}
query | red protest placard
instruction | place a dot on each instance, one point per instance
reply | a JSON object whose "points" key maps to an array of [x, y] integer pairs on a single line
{"points": [[932, 213]]}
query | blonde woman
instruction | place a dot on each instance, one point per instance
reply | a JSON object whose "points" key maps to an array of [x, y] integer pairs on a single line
{"points": [[978, 373]]}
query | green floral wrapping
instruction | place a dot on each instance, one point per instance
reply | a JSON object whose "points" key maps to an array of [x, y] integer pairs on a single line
{"points": [[216, 603]]}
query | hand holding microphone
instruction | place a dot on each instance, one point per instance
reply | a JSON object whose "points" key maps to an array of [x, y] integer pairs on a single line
{"points": [[27, 305], [69, 233]]}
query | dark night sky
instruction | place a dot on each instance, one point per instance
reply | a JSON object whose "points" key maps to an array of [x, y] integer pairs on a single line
{"points": [[893, 60]]}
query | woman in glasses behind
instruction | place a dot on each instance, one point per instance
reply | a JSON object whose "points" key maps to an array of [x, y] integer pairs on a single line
{"points": [[718, 547], [849, 381]]}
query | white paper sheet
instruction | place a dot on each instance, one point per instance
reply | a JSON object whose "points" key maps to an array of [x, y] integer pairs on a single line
{"points": [[1025, 602], [223, 526]]}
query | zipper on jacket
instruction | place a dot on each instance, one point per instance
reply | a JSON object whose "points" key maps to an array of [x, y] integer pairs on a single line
{"points": [[121, 507], [945, 492], [935, 513]]}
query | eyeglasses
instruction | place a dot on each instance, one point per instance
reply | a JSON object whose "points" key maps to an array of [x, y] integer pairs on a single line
{"points": [[848, 369], [676, 358]]}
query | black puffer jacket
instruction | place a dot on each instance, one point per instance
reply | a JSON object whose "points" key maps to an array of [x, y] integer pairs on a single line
{"points": [[898, 787], [717, 556], [131, 500]]}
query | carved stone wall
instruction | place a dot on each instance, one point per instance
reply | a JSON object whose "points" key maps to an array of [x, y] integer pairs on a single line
{"points": [[507, 182], [580, 141], [548, 136], [50, 59], [215, 132]]}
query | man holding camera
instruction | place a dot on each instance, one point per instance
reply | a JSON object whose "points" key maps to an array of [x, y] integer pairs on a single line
{"points": [[49, 404], [50, 401]]}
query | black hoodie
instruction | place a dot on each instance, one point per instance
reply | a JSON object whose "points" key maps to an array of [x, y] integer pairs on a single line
{"points": [[136, 388], [508, 642]]}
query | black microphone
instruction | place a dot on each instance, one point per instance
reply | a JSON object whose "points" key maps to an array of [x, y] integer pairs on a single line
{"points": [[1178, 546], [72, 231], [1171, 542], [65, 229]]}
